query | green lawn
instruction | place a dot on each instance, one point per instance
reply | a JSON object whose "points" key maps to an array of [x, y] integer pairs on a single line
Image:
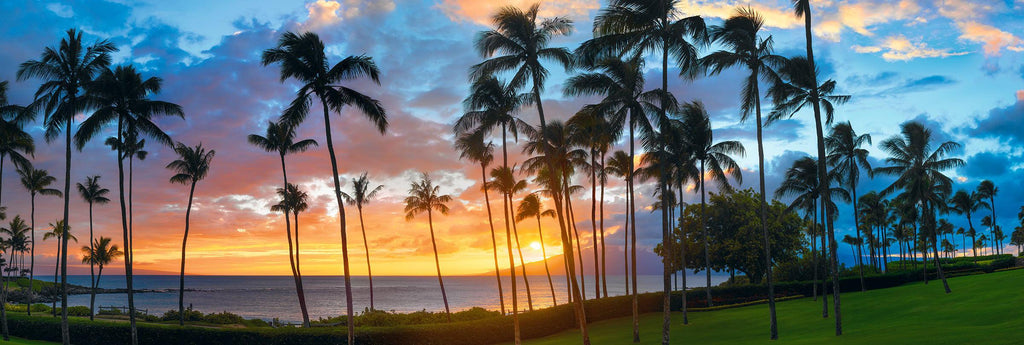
{"points": [[19, 341], [983, 309]]}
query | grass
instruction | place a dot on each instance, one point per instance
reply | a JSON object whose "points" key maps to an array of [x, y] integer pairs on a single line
{"points": [[20, 341], [983, 309]]}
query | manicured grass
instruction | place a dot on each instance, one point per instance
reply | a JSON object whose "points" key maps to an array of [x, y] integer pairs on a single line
{"points": [[983, 309], [20, 341]]}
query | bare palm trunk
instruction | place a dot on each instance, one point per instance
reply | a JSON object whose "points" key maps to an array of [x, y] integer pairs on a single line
{"points": [[56, 277], [350, 320], [128, 254], [437, 262], [856, 225], [632, 211], [298, 272], [825, 250], [184, 241], [666, 297], [32, 258], [935, 249], [366, 245], [593, 223], [544, 252], [572, 220], [604, 252], [519, 248], [511, 271], [773, 324], [682, 254], [65, 334], [294, 258], [704, 232], [625, 241], [814, 249], [494, 240], [92, 277]]}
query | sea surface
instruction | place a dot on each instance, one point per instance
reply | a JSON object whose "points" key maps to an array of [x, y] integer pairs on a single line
{"points": [[268, 297]]}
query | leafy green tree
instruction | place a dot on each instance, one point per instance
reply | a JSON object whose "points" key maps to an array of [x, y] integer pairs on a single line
{"points": [[361, 196], [425, 196], [192, 165], [93, 194]]}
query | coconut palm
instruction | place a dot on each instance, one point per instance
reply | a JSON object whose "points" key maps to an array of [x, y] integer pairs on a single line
{"points": [[280, 139], [57, 231], [967, 204], [739, 36], [15, 143], [290, 202], [99, 253], [621, 166], [531, 206], [192, 165], [593, 133], [471, 146], [65, 69], [93, 194], [36, 181], [854, 242], [846, 156], [918, 170], [17, 241], [425, 196], [302, 57], [361, 196], [503, 180], [715, 163], [986, 189]]}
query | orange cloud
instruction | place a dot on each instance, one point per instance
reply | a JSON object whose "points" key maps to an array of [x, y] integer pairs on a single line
{"points": [[994, 39], [774, 17], [480, 12], [324, 13], [1020, 95], [899, 48]]}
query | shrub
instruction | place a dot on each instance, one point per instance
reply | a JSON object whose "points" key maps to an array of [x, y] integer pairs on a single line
{"points": [[190, 315], [222, 318]]}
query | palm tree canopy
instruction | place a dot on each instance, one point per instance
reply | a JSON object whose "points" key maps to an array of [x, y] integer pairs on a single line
{"points": [[801, 182], [36, 181], [717, 157], [91, 191], [192, 165], [425, 196], [471, 146], [532, 206], [963, 202], [794, 90], [101, 253], [361, 192], [56, 231], [619, 164], [280, 138], [987, 189], [911, 159], [503, 180], [123, 94], [293, 199], [302, 57], [492, 105], [16, 143], [523, 43], [845, 154], [621, 84]]}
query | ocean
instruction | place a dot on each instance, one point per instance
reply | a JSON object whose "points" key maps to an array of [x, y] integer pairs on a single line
{"points": [[268, 297]]}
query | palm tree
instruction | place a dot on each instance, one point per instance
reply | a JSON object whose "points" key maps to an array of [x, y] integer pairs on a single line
{"points": [[986, 189], [280, 139], [17, 241], [36, 181], [868, 207], [739, 35], [591, 131], [291, 201], [298, 202], [967, 204], [65, 70], [100, 253], [361, 196], [847, 157], [303, 58], [57, 231], [854, 242], [425, 196], [93, 194], [192, 165], [523, 39], [531, 206], [471, 146], [14, 142], [620, 165], [503, 180], [919, 170], [715, 163]]}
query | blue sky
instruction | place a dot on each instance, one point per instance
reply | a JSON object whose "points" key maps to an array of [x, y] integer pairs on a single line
{"points": [[956, 65]]}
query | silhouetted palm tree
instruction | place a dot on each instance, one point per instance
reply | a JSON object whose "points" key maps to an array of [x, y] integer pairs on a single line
{"points": [[846, 156], [471, 146], [739, 36], [303, 58], [65, 69], [16, 241], [425, 196], [57, 231], [524, 40], [531, 206], [594, 132], [361, 196], [290, 202], [99, 253], [280, 139], [192, 165], [93, 194], [967, 204], [854, 242], [919, 169], [503, 180], [620, 165], [986, 189], [36, 181]]}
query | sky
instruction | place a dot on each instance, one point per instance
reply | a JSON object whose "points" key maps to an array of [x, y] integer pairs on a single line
{"points": [[955, 65]]}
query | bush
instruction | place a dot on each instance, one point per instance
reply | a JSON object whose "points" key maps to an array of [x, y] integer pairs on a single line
{"points": [[222, 318], [190, 315], [381, 318]]}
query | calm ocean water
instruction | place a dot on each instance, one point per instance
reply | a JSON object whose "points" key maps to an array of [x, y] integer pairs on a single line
{"points": [[267, 297]]}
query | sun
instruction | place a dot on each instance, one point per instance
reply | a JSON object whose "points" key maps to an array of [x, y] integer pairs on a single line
{"points": [[535, 245]]}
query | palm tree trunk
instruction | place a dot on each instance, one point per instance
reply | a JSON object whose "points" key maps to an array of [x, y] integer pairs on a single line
{"points": [[32, 257], [56, 276], [593, 223], [856, 225], [625, 241], [682, 255], [572, 221], [184, 241], [511, 270], [604, 252], [3, 294], [824, 256], [350, 320], [92, 277], [366, 245], [294, 258], [666, 298], [544, 252], [814, 249], [128, 254], [519, 248], [632, 211], [935, 249], [494, 240], [64, 331], [437, 263], [704, 233], [773, 324], [298, 272]]}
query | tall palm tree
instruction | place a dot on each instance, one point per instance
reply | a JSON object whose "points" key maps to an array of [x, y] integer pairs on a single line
{"points": [[122, 95], [280, 139], [531, 206], [524, 40], [967, 204], [739, 35], [846, 156], [298, 203], [36, 181], [192, 165], [591, 131], [93, 194], [57, 231], [986, 189], [854, 242], [471, 146], [918, 170], [715, 163], [620, 165], [302, 57], [425, 196], [99, 253], [361, 196], [503, 180], [290, 202], [16, 143], [65, 69], [16, 241], [868, 207]]}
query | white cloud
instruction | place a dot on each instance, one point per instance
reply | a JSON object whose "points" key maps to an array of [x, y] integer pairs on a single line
{"points": [[900, 48]]}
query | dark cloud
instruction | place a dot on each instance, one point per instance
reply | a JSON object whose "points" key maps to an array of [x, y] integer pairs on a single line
{"points": [[1001, 123], [985, 165], [782, 130]]}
